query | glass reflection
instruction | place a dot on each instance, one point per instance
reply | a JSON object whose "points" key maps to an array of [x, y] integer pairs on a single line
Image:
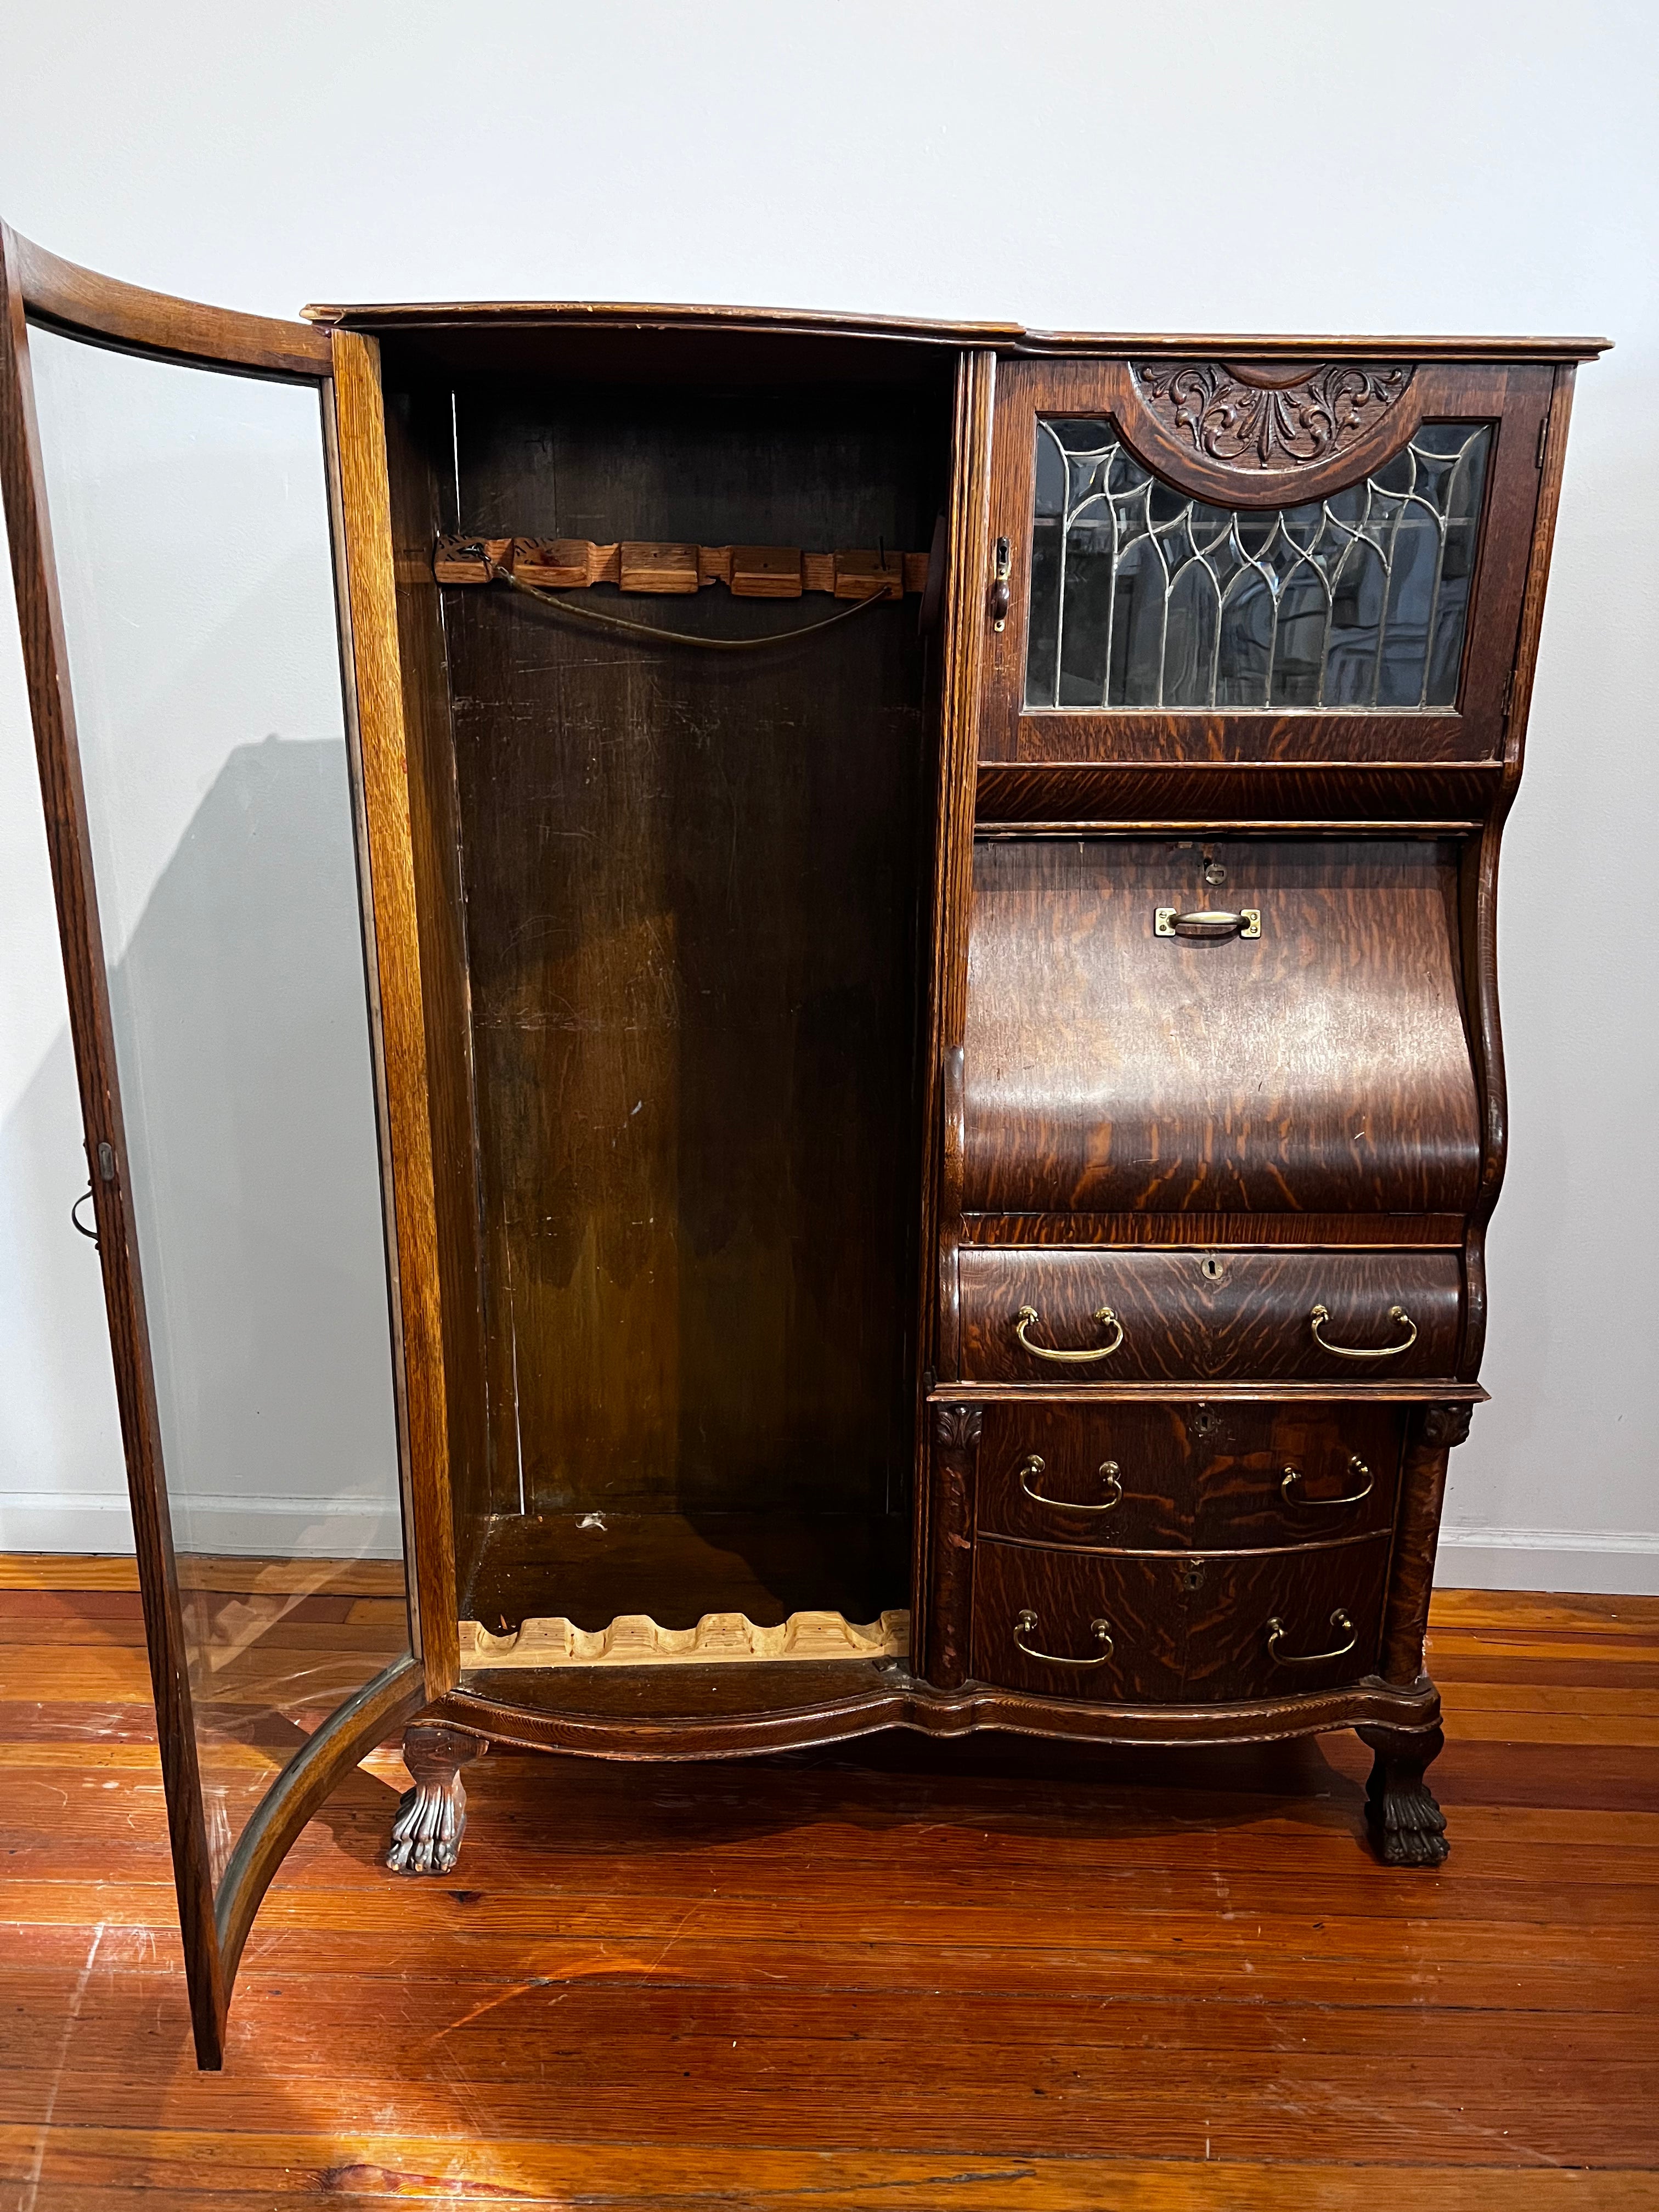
{"points": [[1143, 597], [190, 516]]}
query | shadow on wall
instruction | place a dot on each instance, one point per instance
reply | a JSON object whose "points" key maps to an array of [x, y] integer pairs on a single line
{"points": [[240, 1013]]}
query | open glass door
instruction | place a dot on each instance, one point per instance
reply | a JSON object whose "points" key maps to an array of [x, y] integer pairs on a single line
{"points": [[169, 477]]}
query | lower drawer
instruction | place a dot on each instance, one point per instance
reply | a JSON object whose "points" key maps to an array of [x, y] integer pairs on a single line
{"points": [[1293, 1474], [1188, 1477], [1271, 1623], [1107, 1478], [1079, 1624], [1190, 1628], [1032, 1315]]}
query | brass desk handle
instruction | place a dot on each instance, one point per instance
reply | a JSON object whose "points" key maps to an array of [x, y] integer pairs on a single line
{"points": [[1288, 1492], [1169, 921], [1340, 1622], [1103, 1314], [1031, 1466], [1321, 1315], [1026, 1621]]}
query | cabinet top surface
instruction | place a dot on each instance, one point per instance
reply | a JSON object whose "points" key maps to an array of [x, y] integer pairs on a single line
{"points": [[1006, 337], [84, 301]]}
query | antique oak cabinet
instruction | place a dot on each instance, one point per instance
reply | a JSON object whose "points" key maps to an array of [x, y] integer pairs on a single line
{"points": [[884, 932]]}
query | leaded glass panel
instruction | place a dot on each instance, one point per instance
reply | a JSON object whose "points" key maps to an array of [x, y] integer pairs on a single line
{"points": [[1144, 598]]}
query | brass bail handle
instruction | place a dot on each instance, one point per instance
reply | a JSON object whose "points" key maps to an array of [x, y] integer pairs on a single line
{"points": [[1340, 1622], [1030, 1467], [1104, 1315], [1357, 1467], [1321, 1315], [1025, 1624]]}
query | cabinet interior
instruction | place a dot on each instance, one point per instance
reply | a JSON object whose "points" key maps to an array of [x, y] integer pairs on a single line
{"points": [[673, 921]]}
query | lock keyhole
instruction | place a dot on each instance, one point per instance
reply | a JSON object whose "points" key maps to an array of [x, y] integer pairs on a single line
{"points": [[1211, 1269]]}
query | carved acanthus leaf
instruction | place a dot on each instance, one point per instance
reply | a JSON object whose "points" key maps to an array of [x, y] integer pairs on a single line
{"points": [[956, 1428], [1447, 1425], [1245, 425]]}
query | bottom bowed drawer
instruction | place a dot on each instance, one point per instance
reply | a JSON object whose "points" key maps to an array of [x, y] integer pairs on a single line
{"points": [[1193, 1628]]}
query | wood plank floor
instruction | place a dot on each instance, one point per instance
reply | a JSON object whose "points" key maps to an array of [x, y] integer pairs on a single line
{"points": [[898, 1975]]}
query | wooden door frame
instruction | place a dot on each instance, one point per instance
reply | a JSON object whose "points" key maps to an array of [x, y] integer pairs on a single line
{"points": [[36, 287]]}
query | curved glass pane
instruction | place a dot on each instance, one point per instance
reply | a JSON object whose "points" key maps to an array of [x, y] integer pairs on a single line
{"points": [[190, 515], [1142, 597]]}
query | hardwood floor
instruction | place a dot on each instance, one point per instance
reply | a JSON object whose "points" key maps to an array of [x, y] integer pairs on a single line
{"points": [[895, 1975]]}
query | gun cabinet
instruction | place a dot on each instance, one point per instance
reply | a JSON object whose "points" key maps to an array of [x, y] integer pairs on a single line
{"points": [[807, 1041]]}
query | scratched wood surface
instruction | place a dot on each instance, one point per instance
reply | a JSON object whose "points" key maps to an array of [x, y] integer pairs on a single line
{"points": [[896, 1975]]}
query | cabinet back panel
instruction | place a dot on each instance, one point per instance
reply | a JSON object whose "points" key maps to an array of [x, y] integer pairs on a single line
{"points": [[693, 885]]}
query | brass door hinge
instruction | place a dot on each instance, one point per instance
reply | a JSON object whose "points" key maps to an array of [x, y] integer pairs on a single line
{"points": [[1543, 440]]}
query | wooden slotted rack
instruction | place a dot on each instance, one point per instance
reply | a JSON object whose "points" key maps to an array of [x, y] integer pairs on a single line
{"points": [[749, 572]]}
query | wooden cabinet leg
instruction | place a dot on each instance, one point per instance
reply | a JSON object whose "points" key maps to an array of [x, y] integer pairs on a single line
{"points": [[957, 1431], [1434, 1430], [1407, 1825], [426, 1836]]}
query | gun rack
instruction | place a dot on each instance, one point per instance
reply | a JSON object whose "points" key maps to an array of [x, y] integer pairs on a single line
{"points": [[749, 572], [634, 1639]]}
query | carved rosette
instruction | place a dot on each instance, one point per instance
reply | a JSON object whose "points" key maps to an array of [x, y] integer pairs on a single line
{"points": [[1241, 421]]}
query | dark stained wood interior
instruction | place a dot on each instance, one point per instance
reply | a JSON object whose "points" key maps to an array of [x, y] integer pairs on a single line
{"points": [[677, 1566], [691, 893]]}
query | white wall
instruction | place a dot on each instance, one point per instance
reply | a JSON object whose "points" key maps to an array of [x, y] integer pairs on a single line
{"points": [[1468, 167]]}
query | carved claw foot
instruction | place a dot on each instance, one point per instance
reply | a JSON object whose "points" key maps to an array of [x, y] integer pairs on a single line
{"points": [[1408, 1826], [426, 1836]]}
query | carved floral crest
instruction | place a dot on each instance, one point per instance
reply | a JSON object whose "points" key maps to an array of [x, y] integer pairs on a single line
{"points": [[1244, 422]]}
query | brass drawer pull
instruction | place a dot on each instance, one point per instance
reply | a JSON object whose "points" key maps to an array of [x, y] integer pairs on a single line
{"points": [[1291, 1496], [1321, 1315], [1031, 1466], [1026, 1621], [1169, 921], [1104, 1315], [1340, 1622]]}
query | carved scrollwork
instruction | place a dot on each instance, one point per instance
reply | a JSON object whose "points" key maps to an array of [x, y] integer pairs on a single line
{"points": [[958, 1428], [1230, 417], [1445, 1426]]}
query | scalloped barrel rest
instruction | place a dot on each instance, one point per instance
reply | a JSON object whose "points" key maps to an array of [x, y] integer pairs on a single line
{"points": [[1114, 960]]}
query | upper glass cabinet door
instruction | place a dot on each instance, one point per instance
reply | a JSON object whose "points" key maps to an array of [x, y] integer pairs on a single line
{"points": [[1270, 561], [207, 856], [1144, 596]]}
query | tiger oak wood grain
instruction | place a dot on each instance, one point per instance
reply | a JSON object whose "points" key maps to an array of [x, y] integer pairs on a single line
{"points": [[689, 1070], [1178, 1324], [1322, 1068]]}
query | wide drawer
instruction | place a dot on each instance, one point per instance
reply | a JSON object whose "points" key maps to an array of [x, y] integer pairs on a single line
{"points": [[1205, 1477], [1088, 1315], [1190, 1628]]}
